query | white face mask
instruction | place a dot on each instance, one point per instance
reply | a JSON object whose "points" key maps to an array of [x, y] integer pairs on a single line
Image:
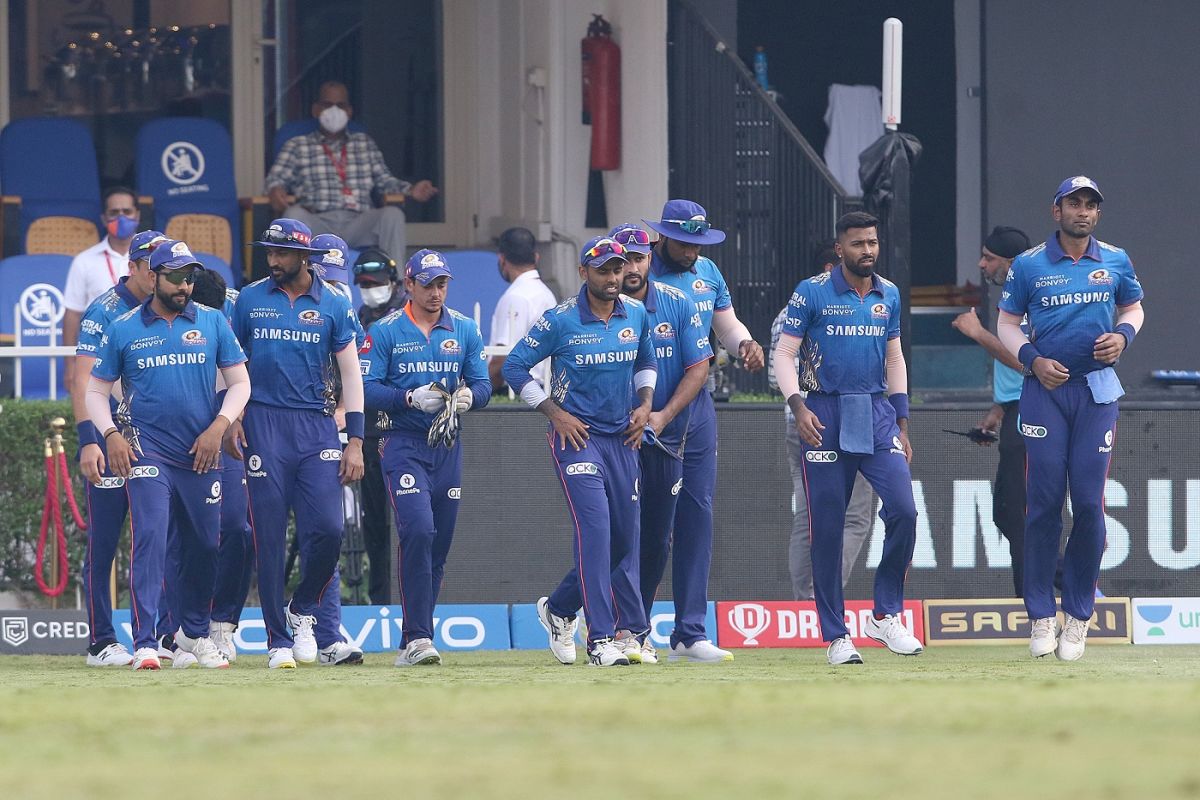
{"points": [[375, 296], [333, 119]]}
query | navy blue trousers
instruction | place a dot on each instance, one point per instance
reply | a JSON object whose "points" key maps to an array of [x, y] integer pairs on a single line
{"points": [[692, 534], [829, 474], [1068, 442], [235, 555], [107, 506]]}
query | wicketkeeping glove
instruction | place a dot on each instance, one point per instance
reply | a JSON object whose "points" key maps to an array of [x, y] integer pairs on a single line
{"points": [[444, 430], [430, 398], [463, 399]]}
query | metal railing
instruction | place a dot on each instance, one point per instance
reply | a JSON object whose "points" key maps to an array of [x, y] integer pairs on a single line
{"points": [[734, 151]]}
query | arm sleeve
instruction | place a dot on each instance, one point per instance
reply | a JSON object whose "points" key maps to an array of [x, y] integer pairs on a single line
{"points": [[729, 329], [1008, 330], [475, 369], [96, 402], [776, 330], [536, 346], [784, 360], [237, 394], [283, 171], [895, 369]]}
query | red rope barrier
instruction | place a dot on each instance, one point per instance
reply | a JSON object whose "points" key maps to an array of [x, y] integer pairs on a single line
{"points": [[69, 489], [52, 508]]}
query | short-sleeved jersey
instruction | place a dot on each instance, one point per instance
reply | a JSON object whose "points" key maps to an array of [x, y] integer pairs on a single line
{"points": [[703, 283], [360, 333], [168, 374], [100, 314], [398, 356], [592, 362], [680, 341], [845, 335], [1070, 303], [290, 344]]}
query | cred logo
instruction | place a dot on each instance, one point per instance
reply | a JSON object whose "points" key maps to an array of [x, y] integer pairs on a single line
{"points": [[821, 456], [1033, 431]]}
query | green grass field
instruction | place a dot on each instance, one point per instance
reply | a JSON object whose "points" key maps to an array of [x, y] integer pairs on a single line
{"points": [[963, 723]]}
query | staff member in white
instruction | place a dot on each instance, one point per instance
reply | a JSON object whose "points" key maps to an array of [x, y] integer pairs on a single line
{"points": [[522, 304], [97, 269]]}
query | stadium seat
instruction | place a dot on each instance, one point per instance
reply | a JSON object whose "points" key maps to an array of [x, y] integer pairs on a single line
{"points": [[31, 297], [476, 281], [47, 169], [217, 265], [299, 127], [185, 165], [62, 235]]}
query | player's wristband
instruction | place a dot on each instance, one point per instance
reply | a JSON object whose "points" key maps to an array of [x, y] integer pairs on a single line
{"points": [[899, 401], [87, 433], [1027, 355], [355, 423], [1128, 331]]}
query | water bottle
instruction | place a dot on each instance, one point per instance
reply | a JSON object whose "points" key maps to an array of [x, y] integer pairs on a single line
{"points": [[760, 67]]}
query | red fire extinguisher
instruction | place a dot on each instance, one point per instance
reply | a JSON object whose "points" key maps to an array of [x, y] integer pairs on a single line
{"points": [[602, 93]]}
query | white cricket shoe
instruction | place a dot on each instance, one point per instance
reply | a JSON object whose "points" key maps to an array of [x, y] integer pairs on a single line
{"points": [[606, 653], [891, 633], [561, 631], [222, 635], [206, 652], [281, 658], [1044, 639], [1074, 637], [649, 654], [183, 660], [701, 652], [628, 644], [166, 647], [339, 653], [146, 658], [419, 652], [304, 641], [114, 655], [842, 651]]}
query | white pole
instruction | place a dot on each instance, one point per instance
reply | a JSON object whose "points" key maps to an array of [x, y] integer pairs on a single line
{"points": [[17, 342], [893, 58], [53, 366]]}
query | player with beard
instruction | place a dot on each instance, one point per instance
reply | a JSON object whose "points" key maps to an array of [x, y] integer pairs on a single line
{"points": [[845, 324]]}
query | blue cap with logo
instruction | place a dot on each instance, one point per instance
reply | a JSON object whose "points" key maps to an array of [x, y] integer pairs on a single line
{"points": [[143, 244], [600, 250], [685, 221], [331, 258], [1073, 185], [172, 254], [290, 234], [426, 265], [633, 237]]}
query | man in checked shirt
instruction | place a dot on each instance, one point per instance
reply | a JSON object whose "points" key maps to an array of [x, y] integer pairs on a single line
{"points": [[332, 173]]}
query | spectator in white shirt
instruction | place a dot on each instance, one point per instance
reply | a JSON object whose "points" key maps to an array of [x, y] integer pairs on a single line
{"points": [[97, 269], [522, 304]]}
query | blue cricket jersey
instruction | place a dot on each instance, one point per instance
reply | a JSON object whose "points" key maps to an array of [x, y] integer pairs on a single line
{"points": [[398, 356], [168, 374], [703, 283], [1070, 303], [290, 344], [360, 333], [680, 341], [845, 336], [592, 362], [100, 314]]}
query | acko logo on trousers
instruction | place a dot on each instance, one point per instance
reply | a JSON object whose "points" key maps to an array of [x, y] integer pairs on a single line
{"points": [[110, 483], [1033, 431], [583, 468], [331, 455], [455, 493], [144, 472], [821, 456]]}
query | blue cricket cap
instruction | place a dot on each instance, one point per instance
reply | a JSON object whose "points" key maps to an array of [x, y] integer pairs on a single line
{"points": [[1073, 185], [600, 250], [172, 254], [291, 234], [144, 243], [426, 265], [331, 260], [685, 221]]}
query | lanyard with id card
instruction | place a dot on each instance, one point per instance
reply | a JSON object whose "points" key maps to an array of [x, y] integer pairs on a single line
{"points": [[349, 199]]}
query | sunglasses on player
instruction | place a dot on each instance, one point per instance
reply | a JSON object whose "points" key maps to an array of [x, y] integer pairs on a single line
{"points": [[279, 237], [628, 236], [695, 226], [179, 277], [604, 247]]}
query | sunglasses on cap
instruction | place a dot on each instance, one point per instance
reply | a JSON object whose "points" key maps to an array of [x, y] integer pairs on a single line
{"points": [[270, 236], [179, 277], [604, 247], [371, 267], [695, 226], [630, 236]]}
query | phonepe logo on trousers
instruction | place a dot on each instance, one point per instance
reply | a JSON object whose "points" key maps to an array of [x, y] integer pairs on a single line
{"points": [[820, 456], [254, 467], [1033, 431], [583, 468]]}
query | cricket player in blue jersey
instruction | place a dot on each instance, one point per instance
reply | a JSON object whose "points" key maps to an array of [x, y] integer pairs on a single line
{"points": [[682, 351], [329, 261], [235, 555], [602, 377], [106, 499], [1084, 307], [410, 356], [676, 261], [167, 352], [845, 325], [290, 324]]}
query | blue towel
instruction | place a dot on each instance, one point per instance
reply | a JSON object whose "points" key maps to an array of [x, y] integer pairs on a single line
{"points": [[1105, 385], [857, 434]]}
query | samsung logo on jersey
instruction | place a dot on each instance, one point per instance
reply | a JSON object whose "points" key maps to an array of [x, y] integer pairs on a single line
{"points": [[427, 366], [1075, 297], [172, 360], [286, 335], [149, 341], [855, 330], [584, 359]]}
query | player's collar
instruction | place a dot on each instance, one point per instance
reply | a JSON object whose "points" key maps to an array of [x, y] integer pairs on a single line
{"points": [[585, 308], [313, 291], [841, 286], [444, 321], [123, 292], [1055, 253], [149, 314], [651, 299], [658, 265]]}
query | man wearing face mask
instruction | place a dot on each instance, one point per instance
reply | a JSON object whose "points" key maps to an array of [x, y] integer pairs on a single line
{"points": [[332, 174], [523, 302], [97, 269]]}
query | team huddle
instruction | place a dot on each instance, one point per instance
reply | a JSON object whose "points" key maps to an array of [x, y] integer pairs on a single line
{"points": [[265, 375]]}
